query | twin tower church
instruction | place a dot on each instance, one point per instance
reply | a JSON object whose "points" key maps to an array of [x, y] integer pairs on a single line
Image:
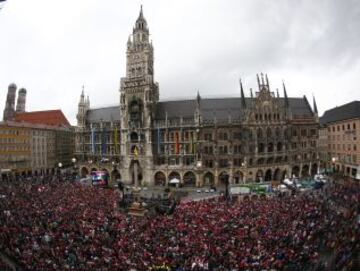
{"points": [[201, 142]]}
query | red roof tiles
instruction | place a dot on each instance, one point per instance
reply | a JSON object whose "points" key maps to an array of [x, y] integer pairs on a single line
{"points": [[49, 117]]}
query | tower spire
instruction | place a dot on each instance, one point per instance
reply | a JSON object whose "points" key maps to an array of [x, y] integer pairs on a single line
{"points": [[258, 80], [315, 106], [141, 11], [285, 96], [262, 79], [198, 98], [242, 94]]}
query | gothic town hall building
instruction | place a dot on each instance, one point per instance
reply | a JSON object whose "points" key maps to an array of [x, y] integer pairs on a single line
{"points": [[199, 141]]}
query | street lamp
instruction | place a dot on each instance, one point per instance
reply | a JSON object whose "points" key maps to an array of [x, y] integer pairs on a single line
{"points": [[73, 160], [59, 168]]}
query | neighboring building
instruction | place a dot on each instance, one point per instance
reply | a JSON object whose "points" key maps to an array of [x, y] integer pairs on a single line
{"points": [[30, 149], [198, 141], [342, 125], [62, 149], [15, 148], [36, 142]]}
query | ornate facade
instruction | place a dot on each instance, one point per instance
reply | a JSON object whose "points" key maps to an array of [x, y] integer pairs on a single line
{"points": [[198, 141]]}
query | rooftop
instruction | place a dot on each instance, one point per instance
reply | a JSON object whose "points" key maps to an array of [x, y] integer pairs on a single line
{"points": [[344, 112], [48, 117]]}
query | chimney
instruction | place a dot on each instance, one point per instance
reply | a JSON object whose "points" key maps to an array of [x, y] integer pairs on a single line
{"points": [[9, 111], [21, 101]]}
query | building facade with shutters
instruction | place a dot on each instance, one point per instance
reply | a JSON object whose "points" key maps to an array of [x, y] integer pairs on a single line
{"points": [[341, 150], [199, 141], [34, 149]]}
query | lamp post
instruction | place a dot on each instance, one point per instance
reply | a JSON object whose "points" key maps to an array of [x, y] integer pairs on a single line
{"points": [[73, 161], [59, 168], [243, 164], [333, 160]]}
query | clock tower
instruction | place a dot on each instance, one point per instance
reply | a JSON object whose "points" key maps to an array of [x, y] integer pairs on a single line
{"points": [[139, 94]]}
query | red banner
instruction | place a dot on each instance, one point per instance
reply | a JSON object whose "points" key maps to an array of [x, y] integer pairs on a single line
{"points": [[177, 145]]}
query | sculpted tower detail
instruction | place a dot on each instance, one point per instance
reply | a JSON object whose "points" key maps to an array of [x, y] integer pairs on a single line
{"points": [[138, 97]]}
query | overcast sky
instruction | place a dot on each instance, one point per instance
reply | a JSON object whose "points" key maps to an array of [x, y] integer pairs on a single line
{"points": [[52, 48]]}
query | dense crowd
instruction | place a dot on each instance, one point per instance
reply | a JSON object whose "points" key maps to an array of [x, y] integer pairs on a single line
{"points": [[67, 226]]}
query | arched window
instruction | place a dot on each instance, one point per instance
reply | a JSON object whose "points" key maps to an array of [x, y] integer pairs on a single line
{"points": [[268, 132], [135, 110], [134, 137]]}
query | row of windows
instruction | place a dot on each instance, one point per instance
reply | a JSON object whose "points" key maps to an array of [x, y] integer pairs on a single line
{"points": [[13, 140], [267, 117], [344, 137], [14, 148], [342, 127], [237, 162], [346, 158], [13, 132], [345, 147], [239, 135]]}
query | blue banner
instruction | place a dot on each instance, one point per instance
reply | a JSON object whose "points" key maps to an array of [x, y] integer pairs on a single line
{"points": [[92, 140], [103, 143]]}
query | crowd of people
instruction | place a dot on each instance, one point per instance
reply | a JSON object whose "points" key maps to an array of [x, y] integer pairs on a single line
{"points": [[67, 226]]}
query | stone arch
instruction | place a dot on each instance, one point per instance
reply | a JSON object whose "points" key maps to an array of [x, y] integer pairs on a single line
{"points": [[295, 171], [260, 161], [279, 146], [238, 177], [314, 169], [134, 137], [284, 174], [277, 174], [93, 169], [223, 177], [259, 176], [189, 179], [208, 178], [174, 174], [268, 133], [160, 178], [84, 172], [115, 175], [305, 171], [261, 148], [251, 134], [268, 175], [270, 161], [270, 147], [277, 132]]}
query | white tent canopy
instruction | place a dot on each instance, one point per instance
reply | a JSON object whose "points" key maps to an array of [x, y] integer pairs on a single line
{"points": [[174, 181]]}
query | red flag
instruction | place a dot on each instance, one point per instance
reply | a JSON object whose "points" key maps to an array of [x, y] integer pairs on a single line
{"points": [[177, 145]]}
